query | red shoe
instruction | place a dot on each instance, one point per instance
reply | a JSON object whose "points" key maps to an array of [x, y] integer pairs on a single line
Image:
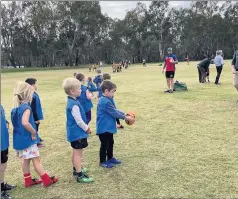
{"points": [[31, 182]]}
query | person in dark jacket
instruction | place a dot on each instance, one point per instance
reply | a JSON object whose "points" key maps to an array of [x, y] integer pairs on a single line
{"points": [[234, 66], [203, 67], [36, 106]]}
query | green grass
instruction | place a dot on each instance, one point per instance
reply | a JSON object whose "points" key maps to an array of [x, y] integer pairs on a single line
{"points": [[182, 145]]}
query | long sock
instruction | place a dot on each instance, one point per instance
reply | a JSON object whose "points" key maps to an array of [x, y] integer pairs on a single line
{"points": [[46, 180], [27, 179]]}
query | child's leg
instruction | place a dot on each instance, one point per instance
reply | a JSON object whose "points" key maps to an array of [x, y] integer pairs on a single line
{"points": [[46, 179], [2, 174], [77, 159], [88, 116], [104, 146], [37, 166], [110, 146], [118, 121]]}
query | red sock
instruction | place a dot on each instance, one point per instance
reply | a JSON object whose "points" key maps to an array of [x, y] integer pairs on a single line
{"points": [[47, 180], [29, 181]]}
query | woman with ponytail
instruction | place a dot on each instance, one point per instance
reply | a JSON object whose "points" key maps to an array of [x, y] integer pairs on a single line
{"points": [[25, 135]]}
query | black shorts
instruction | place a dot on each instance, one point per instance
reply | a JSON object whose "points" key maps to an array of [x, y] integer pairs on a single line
{"points": [[4, 156], [169, 74], [79, 144]]}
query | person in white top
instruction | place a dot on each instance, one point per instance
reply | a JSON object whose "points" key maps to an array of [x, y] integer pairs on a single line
{"points": [[219, 62], [100, 64]]}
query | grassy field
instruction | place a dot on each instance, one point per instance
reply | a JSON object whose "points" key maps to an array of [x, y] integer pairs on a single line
{"points": [[182, 145]]}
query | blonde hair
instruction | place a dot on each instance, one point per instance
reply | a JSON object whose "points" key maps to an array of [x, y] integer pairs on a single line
{"points": [[22, 93], [69, 84]]}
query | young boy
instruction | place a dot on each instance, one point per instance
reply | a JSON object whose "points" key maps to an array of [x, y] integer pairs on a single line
{"points": [[36, 106], [169, 67], [107, 76], [106, 124], [85, 98], [4, 155], [98, 81], [77, 129]]}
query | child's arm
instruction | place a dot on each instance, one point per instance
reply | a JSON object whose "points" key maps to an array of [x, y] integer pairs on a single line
{"points": [[26, 124], [89, 95], [78, 118], [110, 109], [33, 108]]}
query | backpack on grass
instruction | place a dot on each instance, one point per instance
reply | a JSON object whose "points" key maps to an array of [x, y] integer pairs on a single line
{"points": [[180, 86]]}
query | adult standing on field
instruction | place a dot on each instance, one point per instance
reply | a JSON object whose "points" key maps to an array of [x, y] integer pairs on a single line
{"points": [[235, 69], [169, 67], [219, 62]]}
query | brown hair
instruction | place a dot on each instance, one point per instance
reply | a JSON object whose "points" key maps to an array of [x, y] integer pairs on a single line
{"points": [[106, 76], [107, 85], [79, 77]]}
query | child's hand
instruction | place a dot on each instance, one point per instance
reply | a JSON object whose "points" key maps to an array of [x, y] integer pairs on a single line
{"points": [[129, 119], [33, 136], [37, 122], [88, 130]]}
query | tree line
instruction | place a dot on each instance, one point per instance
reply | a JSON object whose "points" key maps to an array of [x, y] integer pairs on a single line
{"points": [[51, 33]]}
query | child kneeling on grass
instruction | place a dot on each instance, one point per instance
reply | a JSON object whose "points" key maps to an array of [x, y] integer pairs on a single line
{"points": [[77, 129], [106, 124], [25, 136]]}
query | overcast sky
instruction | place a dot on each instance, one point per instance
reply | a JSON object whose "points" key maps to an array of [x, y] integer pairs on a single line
{"points": [[117, 9]]}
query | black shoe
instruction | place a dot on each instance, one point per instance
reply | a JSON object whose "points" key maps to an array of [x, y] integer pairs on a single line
{"points": [[174, 90], [4, 195], [170, 91], [8, 187], [167, 91]]}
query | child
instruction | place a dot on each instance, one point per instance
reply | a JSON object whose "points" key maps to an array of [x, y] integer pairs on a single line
{"points": [[4, 155], [91, 86], [25, 135], [36, 106], [77, 129], [107, 76], [98, 81], [85, 98], [144, 64], [106, 124]]}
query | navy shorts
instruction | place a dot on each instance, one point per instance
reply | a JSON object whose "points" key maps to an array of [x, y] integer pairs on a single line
{"points": [[79, 144]]}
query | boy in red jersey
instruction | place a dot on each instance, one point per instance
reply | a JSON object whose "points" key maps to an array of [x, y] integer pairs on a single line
{"points": [[169, 67]]}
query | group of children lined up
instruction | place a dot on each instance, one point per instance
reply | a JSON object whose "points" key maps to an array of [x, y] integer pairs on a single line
{"points": [[26, 116]]}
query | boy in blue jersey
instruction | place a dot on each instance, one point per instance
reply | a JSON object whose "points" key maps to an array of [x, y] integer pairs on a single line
{"points": [[85, 97], [4, 155], [107, 76], [98, 81], [36, 106], [77, 129], [106, 124], [25, 136]]}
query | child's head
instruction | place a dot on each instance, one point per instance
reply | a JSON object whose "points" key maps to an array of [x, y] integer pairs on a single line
{"points": [[89, 79], [80, 77], [72, 87], [99, 71], [32, 82], [106, 76], [108, 88], [22, 93]]}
